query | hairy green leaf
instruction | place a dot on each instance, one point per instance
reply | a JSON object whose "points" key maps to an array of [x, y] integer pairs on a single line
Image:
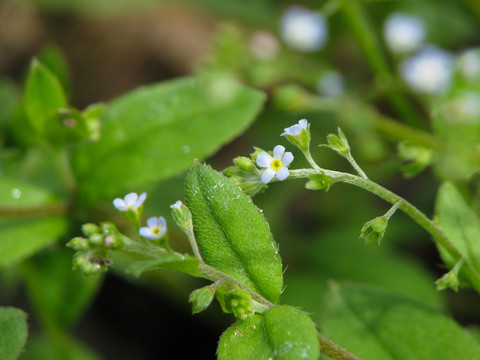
{"points": [[155, 132], [281, 333], [373, 324], [232, 234], [23, 237], [460, 223], [183, 263], [13, 332], [43, 95]]}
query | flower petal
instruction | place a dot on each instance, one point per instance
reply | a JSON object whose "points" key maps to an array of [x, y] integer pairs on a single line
{"points": [[303, 124], [264, 159], [140, 200], [120, 204], [282, 174], [152, 222], [287, 158], [146, 232], [268, 175], [130, 199], [278, 151]]}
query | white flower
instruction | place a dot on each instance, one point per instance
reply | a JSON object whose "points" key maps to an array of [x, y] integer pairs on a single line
{"points": [[302, 29], [404, 33], [331, 84], [295, 130], [131, 202], [178, 204], [469, 64], [429, 71], [155, 229], [276, 166]]}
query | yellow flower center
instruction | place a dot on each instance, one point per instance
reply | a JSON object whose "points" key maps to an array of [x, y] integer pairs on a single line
{"points": [[276, 164]]}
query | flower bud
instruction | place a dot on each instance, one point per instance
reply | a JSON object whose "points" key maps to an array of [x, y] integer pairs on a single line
{"points": [[244, 163], [182, 216], [201, 298], [236, 301], [90, 229], [79, 244], [374, 230], [319, 182], [339, 143]]}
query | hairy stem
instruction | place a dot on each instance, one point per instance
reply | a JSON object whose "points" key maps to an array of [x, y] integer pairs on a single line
{"points": [[334, 351]]}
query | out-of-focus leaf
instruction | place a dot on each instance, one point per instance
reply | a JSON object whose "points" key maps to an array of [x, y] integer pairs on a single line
{"points": [[52, 57], [155, 132], [60, 293], [13, 332], [43, 95], [20, 238], [282, 332], [8, 98], [460, 223], [232, 234], [40, 347], [374, 324], [183, 263]]}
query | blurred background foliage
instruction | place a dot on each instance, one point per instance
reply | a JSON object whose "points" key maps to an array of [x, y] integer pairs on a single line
{"points": [[103, 48]]}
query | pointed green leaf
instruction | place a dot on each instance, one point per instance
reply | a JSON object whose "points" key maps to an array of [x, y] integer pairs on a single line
{"points": [[460, 223], [232, 234], [155, 132], [377, 325], [43, 95], [282, 333], [13, 332]]}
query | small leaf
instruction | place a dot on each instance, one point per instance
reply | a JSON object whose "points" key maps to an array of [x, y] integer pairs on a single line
{"points": [[374, 324], [460, 223], [155, 132], [13, 332], [232, 235], [282, 333], [201, 298], [174, 261], [43, 95]]}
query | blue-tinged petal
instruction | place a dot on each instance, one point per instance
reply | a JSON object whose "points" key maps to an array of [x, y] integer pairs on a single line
{"points": [[282, 174], [264, 160], [268, 175]]}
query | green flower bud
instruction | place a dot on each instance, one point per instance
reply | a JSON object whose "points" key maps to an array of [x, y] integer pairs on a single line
{"points": [[450, 279], [244, 163], [90, 229], [201, 298], [339, 143], [374, 230], [182, 216], [319, 182], [236, 301], [79, 244]]}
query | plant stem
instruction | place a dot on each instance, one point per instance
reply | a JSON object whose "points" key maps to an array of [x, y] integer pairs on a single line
{"points": [[334, 351], [15, 212], [360, 26], [62, 163], [430, 226]]}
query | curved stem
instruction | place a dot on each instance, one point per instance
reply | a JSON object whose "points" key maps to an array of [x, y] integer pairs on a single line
{"points": [[429, 225]]}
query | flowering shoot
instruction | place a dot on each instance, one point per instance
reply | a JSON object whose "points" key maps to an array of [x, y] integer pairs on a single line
{"points": [[275, 166]]}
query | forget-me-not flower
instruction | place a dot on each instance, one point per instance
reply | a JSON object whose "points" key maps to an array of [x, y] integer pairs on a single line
{"points": [[296, 129], [429, 71], [155, 229], [131, 201], [404, 33], [302, 29], [275, 166]]}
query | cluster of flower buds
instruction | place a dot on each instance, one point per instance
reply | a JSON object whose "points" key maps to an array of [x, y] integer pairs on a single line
{"points": [[246, 175], [92, 256], [236, 301]]}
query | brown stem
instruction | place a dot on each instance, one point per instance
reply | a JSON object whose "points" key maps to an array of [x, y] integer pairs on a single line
{"points": [[334, 351]]}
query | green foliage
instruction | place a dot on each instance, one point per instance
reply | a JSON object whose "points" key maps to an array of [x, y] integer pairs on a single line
{"points": [[460, 223], [232, 234], [173, 261], [13, 332], [154, 132], [282, 333], [375, 324]]}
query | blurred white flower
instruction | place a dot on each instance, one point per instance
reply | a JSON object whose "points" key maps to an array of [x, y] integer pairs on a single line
{"points": [[404, 33], [276, 166], [296, 129], [429, 71], [469, 64], [130, 202], [302, 29], [155, 229], [331, 84], [468, 106], [264, 45]]}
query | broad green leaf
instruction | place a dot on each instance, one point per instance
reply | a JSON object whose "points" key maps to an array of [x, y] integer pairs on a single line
{"points": [[54, 60], [232, 234], [20, 238], [183, 263], [460, 223], [281, 333], [155, 132], [64, 299], [373, 324], [43, 95], [13, 332]]}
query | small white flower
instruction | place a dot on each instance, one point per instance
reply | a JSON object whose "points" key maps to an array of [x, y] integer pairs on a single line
{"points": [[296, 129], [429, 71], [302, 29], [404, 33], [131, 202], [178, 204], [155, 229], [469, 64], [276, 166], [331, 84]]}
